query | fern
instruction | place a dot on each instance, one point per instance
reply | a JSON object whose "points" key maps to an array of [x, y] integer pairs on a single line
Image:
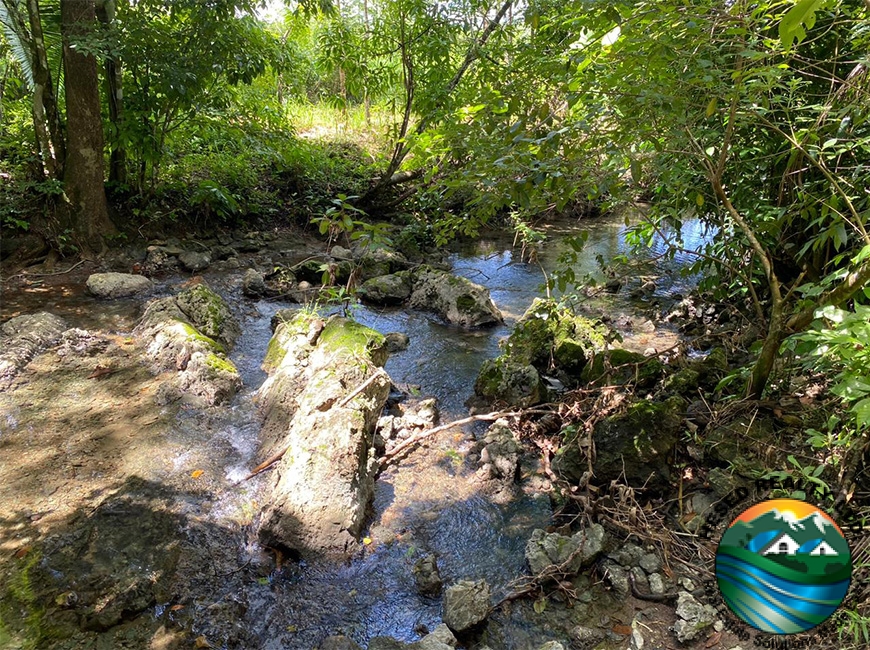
{"points": [[17, 37]]}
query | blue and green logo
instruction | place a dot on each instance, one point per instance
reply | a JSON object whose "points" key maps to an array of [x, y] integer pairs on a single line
{"points": [[783, 566]]}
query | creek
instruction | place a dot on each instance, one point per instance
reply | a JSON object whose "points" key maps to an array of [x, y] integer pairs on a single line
{"points": [[430, 502]]}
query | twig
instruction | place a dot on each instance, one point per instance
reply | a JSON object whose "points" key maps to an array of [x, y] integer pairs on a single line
{"points": [[368, 382], [488, 417], [24, 274]]}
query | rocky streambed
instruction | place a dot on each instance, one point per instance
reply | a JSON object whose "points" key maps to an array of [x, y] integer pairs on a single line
{"points": [[130, 427]]}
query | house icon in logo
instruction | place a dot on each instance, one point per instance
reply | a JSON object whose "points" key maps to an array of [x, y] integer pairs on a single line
{"points": [[784, 544]]}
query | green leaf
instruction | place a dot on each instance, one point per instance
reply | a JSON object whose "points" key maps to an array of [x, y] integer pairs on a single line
{"points": [[540, 605], [711, 107], [792, 25], [635, 171]]}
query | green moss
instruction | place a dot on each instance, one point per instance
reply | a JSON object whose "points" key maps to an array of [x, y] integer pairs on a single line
{"points": [[195, 335], [346, 336], [275, 353], [221, 364], [620, 366], [20, 602], [466, 302]]}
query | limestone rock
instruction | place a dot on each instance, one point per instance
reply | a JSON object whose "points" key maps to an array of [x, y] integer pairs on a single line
{"points": [[340, 253], [174, 334], [253, 283], [209, 313], [194, 261], [441, 638], [24, 337], [501, 454], [324, 483], [544, 549], [118, 285], [456, 299], [386, 289], [466, 604], [514, 383], [692, 617]]}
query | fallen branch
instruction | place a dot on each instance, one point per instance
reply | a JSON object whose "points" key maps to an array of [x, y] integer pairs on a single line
{"points": [[368, 382], [428, 433]]}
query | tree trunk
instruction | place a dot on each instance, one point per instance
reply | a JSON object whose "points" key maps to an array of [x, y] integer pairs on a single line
{"points": [[83, 179], [114, 94], [45, 111]]}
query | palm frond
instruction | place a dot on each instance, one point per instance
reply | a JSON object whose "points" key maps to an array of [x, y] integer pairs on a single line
{"points": [[13, 29]]}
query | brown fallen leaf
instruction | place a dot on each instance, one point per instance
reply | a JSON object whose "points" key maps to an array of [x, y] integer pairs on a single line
{"points": [[202, 642], [713, 640], [624, 630], [100, 371], [21, 552], [175, 608], [197, 473]]}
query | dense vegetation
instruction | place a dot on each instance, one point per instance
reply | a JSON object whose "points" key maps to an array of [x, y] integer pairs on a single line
{"points": [[126, 118]]}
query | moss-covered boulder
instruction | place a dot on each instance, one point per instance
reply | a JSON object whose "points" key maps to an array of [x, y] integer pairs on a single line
{"points": [[324, 482], [635, 446], [190, 334], [619, 366], [682, 382], [393, 289], [550, 334], [514, 383], [456, 299], [548, 338]]}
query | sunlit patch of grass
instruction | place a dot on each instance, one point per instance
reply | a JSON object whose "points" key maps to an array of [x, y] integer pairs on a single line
{"points": [[322, 121]]}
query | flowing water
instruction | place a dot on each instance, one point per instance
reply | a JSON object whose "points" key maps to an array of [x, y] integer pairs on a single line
{"points": [[430, 503]]}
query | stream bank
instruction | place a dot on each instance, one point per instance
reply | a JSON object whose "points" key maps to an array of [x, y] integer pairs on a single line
{"points": [[98, 470]]}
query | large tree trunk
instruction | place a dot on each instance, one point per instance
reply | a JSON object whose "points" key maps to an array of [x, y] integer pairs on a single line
{"points": [[83, 179]]}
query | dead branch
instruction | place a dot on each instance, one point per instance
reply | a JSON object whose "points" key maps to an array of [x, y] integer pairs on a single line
{"points": [[428, 433]]}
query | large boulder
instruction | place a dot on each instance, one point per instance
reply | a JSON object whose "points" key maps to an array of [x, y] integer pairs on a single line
{"points": [[466, 604], [458, 300], [118, 285], [321, 403], [549, 338], [387, 289], [570, 553], [24, 337], [619, 366], [190, 333]]}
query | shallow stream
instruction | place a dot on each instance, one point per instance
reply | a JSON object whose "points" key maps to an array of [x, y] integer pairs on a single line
{"points": [[430, 502]]}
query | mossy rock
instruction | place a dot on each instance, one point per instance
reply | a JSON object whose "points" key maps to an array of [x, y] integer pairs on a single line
{"points": [[711, 368], [347, 337], [209, 313], [682, 382], [638, 443], [514, 383], [391, 289], [547, 330], [619, 366], [287, 324], [310, 271]]}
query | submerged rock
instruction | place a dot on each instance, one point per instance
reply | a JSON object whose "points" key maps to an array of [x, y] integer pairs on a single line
{"points": [[118, 285], [324, 482], [397, 342], [24, 337], [339, 642], [572, 553], [466, 604], [427, 576], [456, 299]]}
